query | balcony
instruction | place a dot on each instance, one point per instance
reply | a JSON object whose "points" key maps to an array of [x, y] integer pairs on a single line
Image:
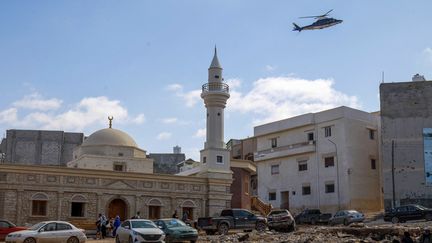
{"points": [[283, 151], [215, 87]]}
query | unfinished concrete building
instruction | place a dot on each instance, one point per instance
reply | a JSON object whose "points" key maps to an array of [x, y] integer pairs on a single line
{"points": [[406, 142]]}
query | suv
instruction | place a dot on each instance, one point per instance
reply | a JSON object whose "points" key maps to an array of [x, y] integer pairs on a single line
{"points": [[408, 212], [281, 219]]}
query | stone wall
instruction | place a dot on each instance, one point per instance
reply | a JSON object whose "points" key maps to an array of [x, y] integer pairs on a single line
{"points": [[99, 188]]}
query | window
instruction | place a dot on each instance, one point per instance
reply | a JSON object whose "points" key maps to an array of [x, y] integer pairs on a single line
{"points": [[329, 162], [118, 167], [246, 187], [50, 227], [272, 196], [204, 160], [302, 166], [327, 131], [77, 209], [275, 169], [329, 187], [120, 154], [371, 134], [310, 136], [274, 142], [39, 208], [373, 164], [306, 190], [219, 159], [61, 226]]}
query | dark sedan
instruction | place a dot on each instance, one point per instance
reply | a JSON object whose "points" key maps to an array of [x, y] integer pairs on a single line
{"points": [[176, 230], [408, 212]]}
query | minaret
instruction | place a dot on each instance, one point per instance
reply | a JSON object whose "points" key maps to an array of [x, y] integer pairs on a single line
{"points": [[215, 157]]}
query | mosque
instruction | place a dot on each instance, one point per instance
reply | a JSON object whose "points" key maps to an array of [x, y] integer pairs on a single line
{"points": [[110, 174]]}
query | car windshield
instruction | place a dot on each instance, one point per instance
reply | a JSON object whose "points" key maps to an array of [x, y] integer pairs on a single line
{"points": [[36, 226], [142, 224], [352, 212], [421, 207], [174, 223]]}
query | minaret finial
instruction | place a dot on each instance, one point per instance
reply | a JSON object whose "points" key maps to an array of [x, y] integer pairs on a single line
{"points": [[215, 50], [110, 118], [215, 62]]}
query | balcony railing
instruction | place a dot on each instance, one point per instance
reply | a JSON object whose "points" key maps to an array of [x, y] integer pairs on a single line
{"points": [[286, 150], [215, 87]]}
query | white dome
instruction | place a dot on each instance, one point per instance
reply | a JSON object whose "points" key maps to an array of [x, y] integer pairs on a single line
{"points": [[110, 136]]}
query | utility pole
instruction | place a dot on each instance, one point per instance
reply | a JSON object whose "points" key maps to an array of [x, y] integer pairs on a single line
{"points": [[393, 174]]}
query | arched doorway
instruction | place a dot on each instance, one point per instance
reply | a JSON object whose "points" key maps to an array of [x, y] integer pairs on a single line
{"points": [[117, 207]]}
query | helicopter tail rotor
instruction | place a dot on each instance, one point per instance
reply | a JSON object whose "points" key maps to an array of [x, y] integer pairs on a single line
{"points": [[297, 28]]}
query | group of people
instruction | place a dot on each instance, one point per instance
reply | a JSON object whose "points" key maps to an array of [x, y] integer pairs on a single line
{"points": [[184, 218], [107, 227]]}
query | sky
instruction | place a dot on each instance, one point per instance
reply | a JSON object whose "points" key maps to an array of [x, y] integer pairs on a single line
{"points": [[68, 65]]}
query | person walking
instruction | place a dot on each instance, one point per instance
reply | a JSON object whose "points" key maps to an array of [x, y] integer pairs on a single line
{"points": [[116, 224]]}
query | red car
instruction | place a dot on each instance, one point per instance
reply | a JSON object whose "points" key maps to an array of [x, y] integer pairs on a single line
{"points": [[7, 227]]}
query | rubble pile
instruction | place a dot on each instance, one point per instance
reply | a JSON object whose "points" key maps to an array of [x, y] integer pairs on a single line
{"points": [[309, 234]]}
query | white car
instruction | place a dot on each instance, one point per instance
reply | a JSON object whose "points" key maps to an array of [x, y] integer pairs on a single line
{"points": [[139, 230], [48, 231]]}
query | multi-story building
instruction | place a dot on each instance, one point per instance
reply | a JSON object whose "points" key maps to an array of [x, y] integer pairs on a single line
{"points": [[39, 147], [406, 118], [167, 163], [327, 160]]}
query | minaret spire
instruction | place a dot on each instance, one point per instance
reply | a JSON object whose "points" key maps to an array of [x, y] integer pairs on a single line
{"points": [[215, 62]]}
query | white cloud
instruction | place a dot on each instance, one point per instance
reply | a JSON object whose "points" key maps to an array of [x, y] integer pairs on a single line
{"points": [[201, 133], [36, 102], [8, 116], [270, 68], [169, 120], [88, 112], [164, 136], [276, 98], [190, 97], [233, 83]]}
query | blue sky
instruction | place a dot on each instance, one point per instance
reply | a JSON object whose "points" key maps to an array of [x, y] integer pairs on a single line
{"points": [[67, 65]]}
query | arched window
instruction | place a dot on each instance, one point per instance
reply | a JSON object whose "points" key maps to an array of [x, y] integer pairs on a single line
{"points": [[154, 208], [78, 203], [39, 204]]}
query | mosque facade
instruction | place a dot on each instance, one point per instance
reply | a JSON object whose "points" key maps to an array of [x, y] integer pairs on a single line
{"points": [[110, 174]]}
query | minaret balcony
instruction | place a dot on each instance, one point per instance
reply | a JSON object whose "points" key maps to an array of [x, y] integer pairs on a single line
{"points": [[215, 87]]}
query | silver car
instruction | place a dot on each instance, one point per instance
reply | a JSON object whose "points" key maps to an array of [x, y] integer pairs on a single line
{"points": [[139, 230], [48, 232], [346, 217]]}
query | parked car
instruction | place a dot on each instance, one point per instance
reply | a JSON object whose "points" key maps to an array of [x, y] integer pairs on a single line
{"points": [[408, 212], [346, 217], [7, 227], [62, 232], [281, 219], [176, 230], [232, 219], [312, 216], [139, 230]]}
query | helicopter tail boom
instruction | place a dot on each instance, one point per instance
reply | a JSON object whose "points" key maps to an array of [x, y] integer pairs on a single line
{"points": [[297, 28]]}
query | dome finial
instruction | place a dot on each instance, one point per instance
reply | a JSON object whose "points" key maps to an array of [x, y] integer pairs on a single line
{"points": [[110, 118]]}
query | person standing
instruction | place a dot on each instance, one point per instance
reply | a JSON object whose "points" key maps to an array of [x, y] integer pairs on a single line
{"points": [[407, 238], [137, 215], [116, 224], [103, 222], [426, 237], [185, 216], [175, 216]]}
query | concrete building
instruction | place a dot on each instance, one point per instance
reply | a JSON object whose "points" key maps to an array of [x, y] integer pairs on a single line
{"points": [[39, 147], [167, 163], [187, 165], [92, 185], [327, 160], [406, 118]]}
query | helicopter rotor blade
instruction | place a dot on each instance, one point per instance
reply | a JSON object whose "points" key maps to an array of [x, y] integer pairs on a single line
{"points": [[309, 17], [327, 12]]}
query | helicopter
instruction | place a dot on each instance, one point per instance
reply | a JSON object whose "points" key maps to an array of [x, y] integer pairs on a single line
{"points": [[322, 22]]}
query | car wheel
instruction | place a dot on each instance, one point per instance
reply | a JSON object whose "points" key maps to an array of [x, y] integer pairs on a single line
{"points": [[73, 239], [313, 221], [428, 217], [130, 239], [345, 222], [29, 240], [260, 227], [223, 229], [395, 220]]}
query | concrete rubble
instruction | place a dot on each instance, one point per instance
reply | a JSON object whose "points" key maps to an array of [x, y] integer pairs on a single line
{"points": [[309, 234]]}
